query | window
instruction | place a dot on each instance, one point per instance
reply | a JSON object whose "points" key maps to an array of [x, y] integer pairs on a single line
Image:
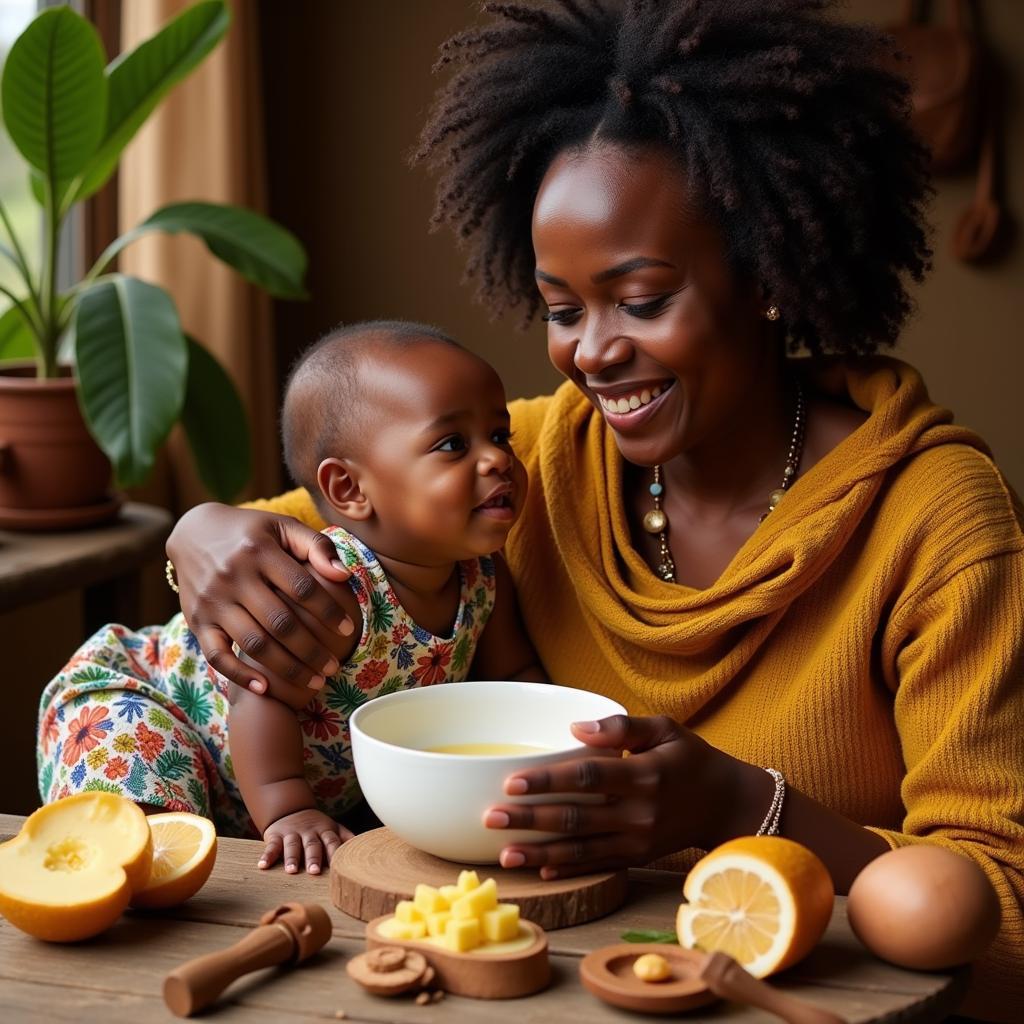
{"points": [[22, 210]]}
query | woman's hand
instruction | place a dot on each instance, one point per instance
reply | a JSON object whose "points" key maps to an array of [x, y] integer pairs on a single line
{"points": [[241, 579], [673, 791], [309, 836]]}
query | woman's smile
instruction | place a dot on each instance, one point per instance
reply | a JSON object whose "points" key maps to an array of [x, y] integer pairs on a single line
{"points": [[627, 409]]}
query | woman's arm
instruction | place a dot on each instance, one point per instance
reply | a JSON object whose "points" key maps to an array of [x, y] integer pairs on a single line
{"points": [[242, 578], [673, 792]]}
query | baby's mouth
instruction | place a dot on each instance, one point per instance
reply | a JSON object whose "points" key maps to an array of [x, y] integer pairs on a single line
{"points": [[498, 504], [501, 501]]}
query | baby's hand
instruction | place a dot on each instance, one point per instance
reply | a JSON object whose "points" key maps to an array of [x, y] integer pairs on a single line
{"points": [[304, 835]]}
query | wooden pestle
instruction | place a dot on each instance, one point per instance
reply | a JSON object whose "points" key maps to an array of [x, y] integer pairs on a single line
{"points": [[290, 933], [726, 978]]}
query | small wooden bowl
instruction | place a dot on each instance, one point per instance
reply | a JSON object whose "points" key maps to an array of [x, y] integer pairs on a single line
{"points": [[479, 975], [608, 974]]}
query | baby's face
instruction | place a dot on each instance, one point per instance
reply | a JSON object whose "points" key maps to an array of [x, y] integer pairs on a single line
{"points": [[439, 469]]}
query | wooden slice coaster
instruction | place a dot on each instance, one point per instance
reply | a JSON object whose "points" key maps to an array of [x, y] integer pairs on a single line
{"points": [[373, 871], [608, 973], [479, 974]]}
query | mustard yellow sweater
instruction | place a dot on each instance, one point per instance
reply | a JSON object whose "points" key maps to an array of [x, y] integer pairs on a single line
{"points": [[867, 640]]}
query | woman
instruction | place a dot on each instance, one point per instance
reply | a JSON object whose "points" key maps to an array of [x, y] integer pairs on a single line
{"points": [[795, 564]]}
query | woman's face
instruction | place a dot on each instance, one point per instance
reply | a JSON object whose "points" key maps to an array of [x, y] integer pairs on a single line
{"points": [[645, 315]]}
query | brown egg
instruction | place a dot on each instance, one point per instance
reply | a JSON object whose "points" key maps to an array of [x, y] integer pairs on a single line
{"points": [[924, 907]]}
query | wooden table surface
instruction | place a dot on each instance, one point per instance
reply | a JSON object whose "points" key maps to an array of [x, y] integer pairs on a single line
{"points": [[118, 976]]}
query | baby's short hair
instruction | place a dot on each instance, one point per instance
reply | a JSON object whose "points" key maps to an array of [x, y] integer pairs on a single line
{"points": [[323, 411]]}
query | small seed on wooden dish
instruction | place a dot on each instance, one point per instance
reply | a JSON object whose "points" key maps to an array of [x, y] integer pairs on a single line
{"points": [[652, 967]]}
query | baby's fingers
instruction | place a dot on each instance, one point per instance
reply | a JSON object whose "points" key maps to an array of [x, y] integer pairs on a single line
{"points": [[272, 851], [292, 852], [333, 838], [313, 849]]}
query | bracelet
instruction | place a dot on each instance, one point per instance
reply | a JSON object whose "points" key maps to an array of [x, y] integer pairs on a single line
{"points": [[169, 576], [770, 825]]}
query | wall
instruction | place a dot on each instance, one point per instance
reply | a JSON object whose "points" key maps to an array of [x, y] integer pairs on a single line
{"points": [[347, 86], [968, 332]]}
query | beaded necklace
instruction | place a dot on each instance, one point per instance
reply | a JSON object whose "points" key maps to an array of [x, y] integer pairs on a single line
{"points": [[656, 521]]}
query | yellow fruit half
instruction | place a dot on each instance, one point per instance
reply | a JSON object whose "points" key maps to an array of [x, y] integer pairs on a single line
{"points": [[763, 900], [184, 852], [71, 870]]}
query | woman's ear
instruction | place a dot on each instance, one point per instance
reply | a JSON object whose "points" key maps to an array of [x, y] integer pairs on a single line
{"points": [[339, 484]]}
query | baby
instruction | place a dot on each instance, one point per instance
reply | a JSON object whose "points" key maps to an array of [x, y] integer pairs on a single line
{"points": [[402, 437]]}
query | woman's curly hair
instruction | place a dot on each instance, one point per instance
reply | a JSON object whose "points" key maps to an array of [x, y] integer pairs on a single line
{"points": [[787, 124]]}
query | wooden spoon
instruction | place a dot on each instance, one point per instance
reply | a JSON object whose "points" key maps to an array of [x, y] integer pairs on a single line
{"points": [[726, 978]]}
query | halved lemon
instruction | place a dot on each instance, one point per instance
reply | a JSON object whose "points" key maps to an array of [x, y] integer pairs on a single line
{"points": [[764, 900], [184, 852]]}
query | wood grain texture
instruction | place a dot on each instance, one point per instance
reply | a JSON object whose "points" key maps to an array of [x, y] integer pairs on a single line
{"points": [[480, 975], [371, 873], [36, 566], [119, 975]]}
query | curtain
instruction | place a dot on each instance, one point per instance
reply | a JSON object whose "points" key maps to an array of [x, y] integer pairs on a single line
{"points": [[205, 142]]}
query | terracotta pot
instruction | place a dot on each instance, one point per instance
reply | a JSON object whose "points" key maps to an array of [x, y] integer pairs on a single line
{"points": [[48, 460]]}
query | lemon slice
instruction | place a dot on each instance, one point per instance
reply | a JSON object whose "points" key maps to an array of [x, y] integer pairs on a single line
{"points": [[184, 852], [763, 900]]}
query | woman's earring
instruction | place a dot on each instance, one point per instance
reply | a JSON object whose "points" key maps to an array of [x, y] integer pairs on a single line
{"points": [[772, 313]]}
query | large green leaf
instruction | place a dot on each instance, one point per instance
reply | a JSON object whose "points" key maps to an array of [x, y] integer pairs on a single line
{"points": [[55, 93], [140, 79], [132, 363], [216, 424], [260, 250], [16, 340]]}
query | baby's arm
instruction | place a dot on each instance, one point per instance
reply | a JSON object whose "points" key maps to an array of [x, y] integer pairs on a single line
{"points": [[504, 650], [266, 752]]}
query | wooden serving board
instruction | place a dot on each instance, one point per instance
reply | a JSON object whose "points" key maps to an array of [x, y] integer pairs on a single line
{"points": [[373, 871], [480, 975]]}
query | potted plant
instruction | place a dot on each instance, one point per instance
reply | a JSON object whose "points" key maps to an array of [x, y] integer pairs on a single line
{"points": [[134, 372]]}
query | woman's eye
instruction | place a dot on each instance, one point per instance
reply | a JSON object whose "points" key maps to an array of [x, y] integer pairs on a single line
{"points": [[560, 316], [455, 443], [645, 309]]}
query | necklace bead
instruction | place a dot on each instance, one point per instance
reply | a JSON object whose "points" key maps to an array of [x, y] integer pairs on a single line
{"points": [[655, 521]]}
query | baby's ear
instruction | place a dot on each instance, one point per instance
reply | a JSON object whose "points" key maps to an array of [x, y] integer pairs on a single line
{"points": [[339, 484]]}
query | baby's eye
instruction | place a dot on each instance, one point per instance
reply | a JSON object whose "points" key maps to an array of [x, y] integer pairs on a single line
{"points": [[502, 436], [454, 443]]}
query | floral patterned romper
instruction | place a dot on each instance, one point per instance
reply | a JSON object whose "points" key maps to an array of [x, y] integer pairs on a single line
{"points": [[141, 713]]}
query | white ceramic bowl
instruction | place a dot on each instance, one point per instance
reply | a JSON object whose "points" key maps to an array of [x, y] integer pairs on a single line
{"points": [[436, 801]]}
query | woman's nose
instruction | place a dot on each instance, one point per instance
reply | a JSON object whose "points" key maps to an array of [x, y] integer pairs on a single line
{"points": [[600, 346]]}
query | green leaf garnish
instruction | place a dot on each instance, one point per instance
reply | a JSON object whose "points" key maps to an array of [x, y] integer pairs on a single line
{"points": [[665, 937]]}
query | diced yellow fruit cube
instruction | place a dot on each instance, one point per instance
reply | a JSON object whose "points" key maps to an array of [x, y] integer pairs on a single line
{"points": [[429, 900], [462, 936], [392, 928], [436, 922], [450, 892], [408, 912], [502, 923], [468, 880], [476, 901]]}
